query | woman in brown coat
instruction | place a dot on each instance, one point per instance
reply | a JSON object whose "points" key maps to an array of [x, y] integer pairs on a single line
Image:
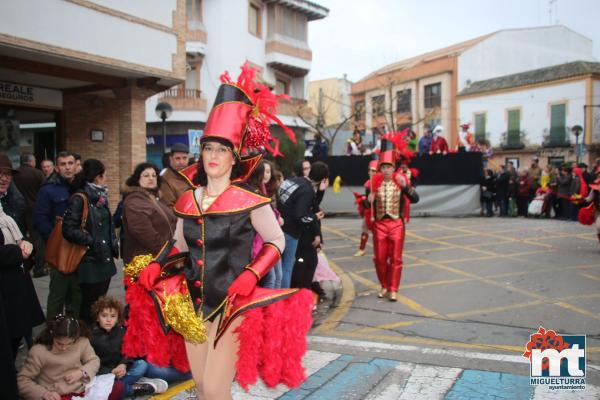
{"points": [[147, 223]]}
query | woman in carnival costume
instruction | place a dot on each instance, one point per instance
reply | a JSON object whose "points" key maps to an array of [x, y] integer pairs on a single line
{"points": [[204, 281]]}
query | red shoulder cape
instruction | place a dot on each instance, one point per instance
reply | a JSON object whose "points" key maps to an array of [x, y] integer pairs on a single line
{"points": [[233, 199]]}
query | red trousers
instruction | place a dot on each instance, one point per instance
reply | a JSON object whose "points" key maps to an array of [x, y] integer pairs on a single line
{"points": [[388, 244]]}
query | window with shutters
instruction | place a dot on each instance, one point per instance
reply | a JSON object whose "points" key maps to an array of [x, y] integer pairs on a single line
{"points": [[254, 19], [194, 14], [286, 21], [513, 135], [433, 95], [479, 127], [403, 101], [359, 110], [558, 125], [378, 105]]}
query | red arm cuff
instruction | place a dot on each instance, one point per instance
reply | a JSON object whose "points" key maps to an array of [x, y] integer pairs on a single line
{"points": [[266, 258]]}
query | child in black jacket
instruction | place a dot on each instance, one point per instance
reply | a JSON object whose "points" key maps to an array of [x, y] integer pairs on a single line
{"points": [[106, 339]]}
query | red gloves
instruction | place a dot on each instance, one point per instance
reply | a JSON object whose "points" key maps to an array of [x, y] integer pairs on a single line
{"points": [[149, 275], [244, 284]]}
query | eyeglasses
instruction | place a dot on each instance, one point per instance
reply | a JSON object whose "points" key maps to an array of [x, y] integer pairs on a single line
{"points": [[5, 174], [219, 150]]}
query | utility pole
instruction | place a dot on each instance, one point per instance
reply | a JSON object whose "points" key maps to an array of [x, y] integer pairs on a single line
{"points": [[550, 7], [320, 112]]}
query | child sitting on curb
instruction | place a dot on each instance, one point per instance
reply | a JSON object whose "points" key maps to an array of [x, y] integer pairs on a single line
{"points": [[107, 338], [60, 364]]}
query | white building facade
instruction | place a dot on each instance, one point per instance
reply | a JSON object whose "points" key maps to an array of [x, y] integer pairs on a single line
{"points": [[75, 75], [270, 35], [533, 114], [422, 91]]}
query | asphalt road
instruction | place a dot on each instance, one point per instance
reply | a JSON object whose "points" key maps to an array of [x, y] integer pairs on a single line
{"points": [[472, 285]]}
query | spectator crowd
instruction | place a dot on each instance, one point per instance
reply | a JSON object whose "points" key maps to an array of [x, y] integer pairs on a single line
{"points": [[555, 191]]}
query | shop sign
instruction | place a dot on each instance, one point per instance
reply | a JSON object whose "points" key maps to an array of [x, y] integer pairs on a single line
{"points": [[29, 95]]}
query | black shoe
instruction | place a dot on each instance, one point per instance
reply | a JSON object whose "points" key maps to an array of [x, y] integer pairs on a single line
{"points": [[142, 389]]}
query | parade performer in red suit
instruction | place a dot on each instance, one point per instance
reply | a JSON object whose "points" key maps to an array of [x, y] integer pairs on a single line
{"points": [[364, 209], [438, 144], [590, 214], [389, 192], [206, 289]]}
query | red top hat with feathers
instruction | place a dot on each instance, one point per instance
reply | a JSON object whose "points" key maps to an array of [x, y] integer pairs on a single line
{"points": [[394, 147], [242, 115]]}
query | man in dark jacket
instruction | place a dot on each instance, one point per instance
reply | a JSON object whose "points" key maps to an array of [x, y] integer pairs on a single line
{"points": [[296, 204], [52, 198], [28, 181], [173, 184], [310, 240], [52, 202]]}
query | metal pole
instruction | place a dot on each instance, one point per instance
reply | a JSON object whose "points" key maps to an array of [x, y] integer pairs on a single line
{"points": [[577, 148], [164, 134]]}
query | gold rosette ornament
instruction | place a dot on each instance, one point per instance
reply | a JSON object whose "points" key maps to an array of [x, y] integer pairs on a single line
{"points": [[133, 269]]}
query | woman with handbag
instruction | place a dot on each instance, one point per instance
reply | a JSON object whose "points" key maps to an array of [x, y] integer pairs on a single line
{"points": [[97, 233], [147, 222]]}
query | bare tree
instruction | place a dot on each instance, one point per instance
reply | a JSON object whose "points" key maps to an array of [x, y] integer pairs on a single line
{"points": [[317, 121], [387, 117]]}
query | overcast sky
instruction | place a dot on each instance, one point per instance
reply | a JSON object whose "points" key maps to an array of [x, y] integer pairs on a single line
{"points": [[360, 36]]}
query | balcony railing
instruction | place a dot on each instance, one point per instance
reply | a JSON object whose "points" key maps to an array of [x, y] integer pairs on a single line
{"points": [[181, 93], [513, 140], [558, 137], [292, 106], [184, 99]]}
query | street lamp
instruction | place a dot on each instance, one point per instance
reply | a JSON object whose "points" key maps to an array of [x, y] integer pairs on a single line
{"points": [[163, 111], [577, 129]]}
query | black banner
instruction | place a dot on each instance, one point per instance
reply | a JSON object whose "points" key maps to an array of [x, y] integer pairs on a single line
{"points": [[436, 169]]}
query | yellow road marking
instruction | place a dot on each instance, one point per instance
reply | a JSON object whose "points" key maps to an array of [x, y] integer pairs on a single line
{"points": [[494, 309], [525, 253], [516, 289], [173, 390], [454, 246], [496, 236], [435, 283], [594, 277], [371, 329], [413, 305]]}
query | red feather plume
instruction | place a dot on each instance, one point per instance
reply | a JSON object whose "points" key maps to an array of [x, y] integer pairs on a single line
{"points": [[265, 102]]}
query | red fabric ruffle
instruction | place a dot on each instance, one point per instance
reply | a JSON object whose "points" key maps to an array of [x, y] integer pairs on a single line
{"points": [[145, 337], [272, 342], [587, 215]]}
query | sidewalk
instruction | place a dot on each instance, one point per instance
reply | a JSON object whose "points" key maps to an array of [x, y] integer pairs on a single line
{"points": [[348, 376]]}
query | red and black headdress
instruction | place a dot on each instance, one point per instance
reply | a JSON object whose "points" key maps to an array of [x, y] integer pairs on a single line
{"points": [[242, 116]]}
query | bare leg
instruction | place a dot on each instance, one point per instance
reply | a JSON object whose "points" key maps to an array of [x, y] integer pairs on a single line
{"points": [[197, 354], [214, 368], [222, 359]]}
